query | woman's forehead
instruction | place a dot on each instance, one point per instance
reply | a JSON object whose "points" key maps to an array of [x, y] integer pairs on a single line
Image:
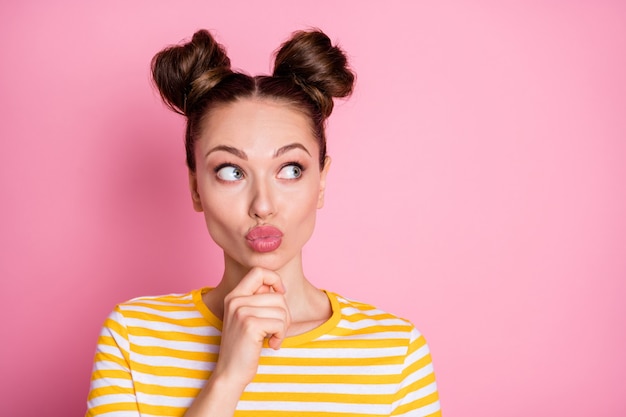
{"points": [[256, 123]]}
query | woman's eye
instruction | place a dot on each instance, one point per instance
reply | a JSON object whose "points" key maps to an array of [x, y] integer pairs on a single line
{"points": [[290, 172], [230, 173]]}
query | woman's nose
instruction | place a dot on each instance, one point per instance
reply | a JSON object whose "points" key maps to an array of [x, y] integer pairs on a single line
{"points": [[262, 203]]}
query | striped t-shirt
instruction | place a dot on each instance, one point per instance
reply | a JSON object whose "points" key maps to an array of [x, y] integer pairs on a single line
{"points": [[155, 354]]}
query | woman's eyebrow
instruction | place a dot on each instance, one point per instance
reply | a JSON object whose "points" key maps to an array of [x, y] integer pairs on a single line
{"points": [[237, 152], [289, 147]]}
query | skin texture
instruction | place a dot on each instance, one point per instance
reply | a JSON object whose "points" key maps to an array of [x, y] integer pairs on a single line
{"points": [[257, 165]]}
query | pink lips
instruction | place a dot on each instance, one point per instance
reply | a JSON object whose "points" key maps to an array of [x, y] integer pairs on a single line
{"points": [[264, 238]]}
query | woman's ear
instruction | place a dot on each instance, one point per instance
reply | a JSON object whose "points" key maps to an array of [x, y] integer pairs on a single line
{"points": [[195, 195], [323, 174]]}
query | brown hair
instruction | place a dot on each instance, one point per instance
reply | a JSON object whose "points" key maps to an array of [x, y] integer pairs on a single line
{"points": [[308, 72]]}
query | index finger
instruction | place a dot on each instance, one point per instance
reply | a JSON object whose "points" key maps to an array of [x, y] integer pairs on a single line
{"points": [[256, 279]]}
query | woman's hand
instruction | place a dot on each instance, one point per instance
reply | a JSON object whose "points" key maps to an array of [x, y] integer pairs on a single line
{"points": [[255, 310]]}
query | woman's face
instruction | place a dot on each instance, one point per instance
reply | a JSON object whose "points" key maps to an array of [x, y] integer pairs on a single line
{"points": [[258, 181]]}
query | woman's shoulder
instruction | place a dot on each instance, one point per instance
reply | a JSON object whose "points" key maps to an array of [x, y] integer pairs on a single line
{"points": [[350, 306], [172, 300], [175, 305], [368, 318]]}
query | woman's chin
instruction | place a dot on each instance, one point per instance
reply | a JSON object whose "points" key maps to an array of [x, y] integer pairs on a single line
{"points": [[273, 261]]}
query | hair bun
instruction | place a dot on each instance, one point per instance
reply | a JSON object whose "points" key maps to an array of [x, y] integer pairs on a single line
{"points": [[184, 73], [320, 68]]}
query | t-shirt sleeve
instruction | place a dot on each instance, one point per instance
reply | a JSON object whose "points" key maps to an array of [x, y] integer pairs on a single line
{"points": [[417, 394], [112, 393]]}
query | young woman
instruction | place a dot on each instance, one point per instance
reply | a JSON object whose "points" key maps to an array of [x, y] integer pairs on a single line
{"points": [[264, 341]]}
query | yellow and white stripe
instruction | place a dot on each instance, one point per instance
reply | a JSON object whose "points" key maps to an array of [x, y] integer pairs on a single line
{"points": [[155, 354]]}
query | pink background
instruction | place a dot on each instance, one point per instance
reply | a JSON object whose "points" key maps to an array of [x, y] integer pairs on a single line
{"points": [[477, 187]]}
